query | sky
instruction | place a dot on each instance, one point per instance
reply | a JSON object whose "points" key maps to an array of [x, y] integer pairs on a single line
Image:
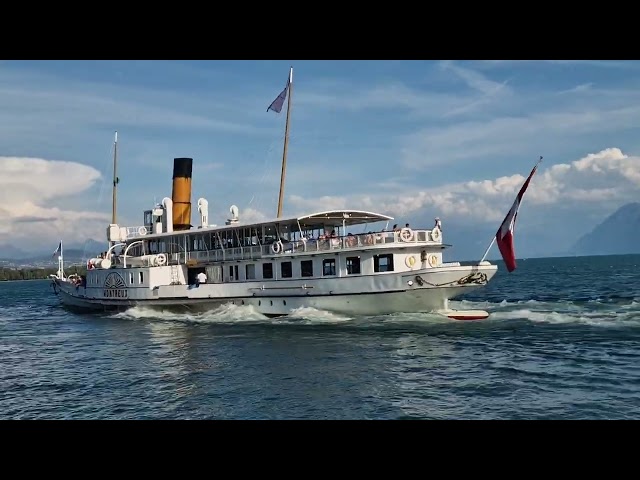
{"points": [[411, 139]]}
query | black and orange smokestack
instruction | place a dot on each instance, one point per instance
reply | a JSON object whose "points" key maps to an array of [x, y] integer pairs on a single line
{"points": [[181, 195]]}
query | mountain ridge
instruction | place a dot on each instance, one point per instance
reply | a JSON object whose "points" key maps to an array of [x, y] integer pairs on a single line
{"points": [[617, 234]]}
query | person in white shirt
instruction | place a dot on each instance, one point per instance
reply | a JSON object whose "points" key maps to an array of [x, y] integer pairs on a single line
{"points": [[201, 277]]}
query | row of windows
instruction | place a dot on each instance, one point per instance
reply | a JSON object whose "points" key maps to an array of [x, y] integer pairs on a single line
{"points": [[381, 263]]}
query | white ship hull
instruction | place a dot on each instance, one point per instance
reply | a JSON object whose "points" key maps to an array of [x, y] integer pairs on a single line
{"points": [[425, 290]]}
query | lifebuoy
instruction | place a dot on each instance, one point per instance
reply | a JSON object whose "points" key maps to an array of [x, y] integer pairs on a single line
{"points": [[406, 234], [410, 261], [161, 259], [276, 247], [435, 234], [142, 231], [433, 260]]}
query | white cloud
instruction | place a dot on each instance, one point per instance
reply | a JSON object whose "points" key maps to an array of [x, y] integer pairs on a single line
{"points": [[43, 111], [601, 181], [29, 191], [582, 88], [606, 64], [510, 135], [398, 96]]}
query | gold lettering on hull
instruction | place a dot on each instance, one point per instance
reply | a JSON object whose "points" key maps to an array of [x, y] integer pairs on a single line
{"points": [[113, 293]]}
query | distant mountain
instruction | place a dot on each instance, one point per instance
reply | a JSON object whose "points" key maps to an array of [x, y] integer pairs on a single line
{"points": [[11, 252], [74, 252], [70, 255], [619, 233]]}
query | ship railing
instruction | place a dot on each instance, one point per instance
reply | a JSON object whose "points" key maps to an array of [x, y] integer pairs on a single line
{"points": [[135, 232], [364, 240], [219, 255], [286, 247]]}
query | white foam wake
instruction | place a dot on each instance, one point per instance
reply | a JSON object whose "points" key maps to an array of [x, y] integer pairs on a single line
{"points": [[230, 313], [561, 312]]}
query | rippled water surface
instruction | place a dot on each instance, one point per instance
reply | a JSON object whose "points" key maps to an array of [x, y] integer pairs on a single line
{"points": [[563, 341]]}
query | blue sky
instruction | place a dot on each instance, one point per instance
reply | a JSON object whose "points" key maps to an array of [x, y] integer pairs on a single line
{"points": [[413, 139]]}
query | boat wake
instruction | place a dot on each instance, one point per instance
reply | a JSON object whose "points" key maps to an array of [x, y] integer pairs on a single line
{"points": [[234, 314], [593, 312]]}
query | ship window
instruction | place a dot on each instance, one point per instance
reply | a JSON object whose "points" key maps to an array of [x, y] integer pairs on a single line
{"points": [[130, 278], [267, 270], [329, 266], [286, 270], [250, 271], [383, 263], [353, 265], [306, 268], [141, 278]]}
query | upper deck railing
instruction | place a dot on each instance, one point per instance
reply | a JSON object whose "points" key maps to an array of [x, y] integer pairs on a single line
{"points": [[405, 237], [348, 242]]}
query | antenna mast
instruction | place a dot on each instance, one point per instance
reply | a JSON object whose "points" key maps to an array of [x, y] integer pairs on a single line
{"points": [[115, 179]]}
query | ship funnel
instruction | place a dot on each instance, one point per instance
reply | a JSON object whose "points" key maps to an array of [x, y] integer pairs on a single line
{"points": [[181, 195]]}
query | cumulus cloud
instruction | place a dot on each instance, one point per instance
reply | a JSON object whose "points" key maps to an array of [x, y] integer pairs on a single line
{"points": [[601, 181], [30, 189]]}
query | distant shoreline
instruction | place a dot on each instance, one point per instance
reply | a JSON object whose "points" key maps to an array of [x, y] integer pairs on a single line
{"points": [[24, 280]]}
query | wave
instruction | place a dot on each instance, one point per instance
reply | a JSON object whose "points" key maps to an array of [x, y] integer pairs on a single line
{"points": [[594, 312], [234, 314]]}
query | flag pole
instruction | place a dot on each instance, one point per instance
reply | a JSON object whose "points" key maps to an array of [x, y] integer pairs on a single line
{"points": [[114, 192], [115, 180], [493, 240], [286, 144], [61, 262]]}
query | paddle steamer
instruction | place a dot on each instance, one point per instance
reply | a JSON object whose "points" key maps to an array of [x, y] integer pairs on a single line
{"points": [[347, 261]]}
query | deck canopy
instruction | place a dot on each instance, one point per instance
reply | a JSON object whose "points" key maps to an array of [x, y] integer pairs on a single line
{"points": [[331, 218], [337, 217]]}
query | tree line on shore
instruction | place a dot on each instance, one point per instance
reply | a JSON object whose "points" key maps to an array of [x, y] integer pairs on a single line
{"points": [[36, 273]]}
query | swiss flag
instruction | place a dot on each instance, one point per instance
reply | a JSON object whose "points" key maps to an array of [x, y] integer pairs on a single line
{"points": [[504, 235]]}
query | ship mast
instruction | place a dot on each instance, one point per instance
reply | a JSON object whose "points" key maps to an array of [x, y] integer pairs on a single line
{"points": [[286, 144], [115, 180]]}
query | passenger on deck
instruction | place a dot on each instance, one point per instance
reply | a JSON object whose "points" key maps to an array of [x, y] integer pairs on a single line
{"points": [[201, 278]]}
